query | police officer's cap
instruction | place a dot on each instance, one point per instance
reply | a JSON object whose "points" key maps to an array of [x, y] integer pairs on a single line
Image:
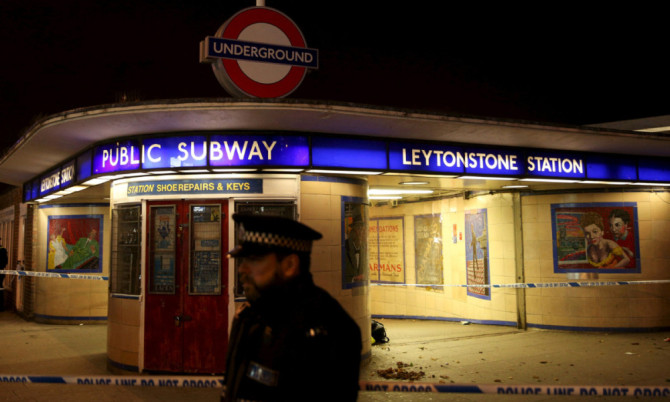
{"points": [[260, 235]]}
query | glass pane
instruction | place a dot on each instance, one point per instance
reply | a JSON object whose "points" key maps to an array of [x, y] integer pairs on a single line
{"points": [[286, 209], [205, 269], [162, 254], [125, 255]]}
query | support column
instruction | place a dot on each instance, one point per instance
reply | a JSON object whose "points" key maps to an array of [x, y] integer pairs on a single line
{"points": [[519, 266]]}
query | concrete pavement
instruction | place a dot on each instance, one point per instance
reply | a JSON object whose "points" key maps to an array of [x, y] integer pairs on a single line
{"points": [[446, 352]]}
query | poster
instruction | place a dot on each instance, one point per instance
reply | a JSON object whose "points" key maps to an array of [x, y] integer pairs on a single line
{"points": [[476, 253], [74, 243], [386, 246], [428, 250], [354, 250], [595, 237], [162, 273]]}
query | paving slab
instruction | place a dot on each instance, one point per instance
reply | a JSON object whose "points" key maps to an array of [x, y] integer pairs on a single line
{"points": [[447, 353]]}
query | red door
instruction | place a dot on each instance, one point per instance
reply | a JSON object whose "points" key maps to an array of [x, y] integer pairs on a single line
{"points": [[186, 313]]}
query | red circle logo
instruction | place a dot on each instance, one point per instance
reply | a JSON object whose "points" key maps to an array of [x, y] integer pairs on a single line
{"points": [[259, 52]]}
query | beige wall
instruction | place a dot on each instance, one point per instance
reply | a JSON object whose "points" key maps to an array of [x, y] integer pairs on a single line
{"points": [[631, 306], [453, 302], [123, 333], [321, 208], [61, 300], [628, 306]]}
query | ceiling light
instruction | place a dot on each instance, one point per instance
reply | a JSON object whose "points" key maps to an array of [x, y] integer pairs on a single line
{"points": [[516, 186], [233, 170], [365, 173], [651, 184], [485, 178], [98, 180], [71, 190], [605, 182], [164, 172], [550, 180], [384, 197], [379, 191], [413, 183], [195, 171]]}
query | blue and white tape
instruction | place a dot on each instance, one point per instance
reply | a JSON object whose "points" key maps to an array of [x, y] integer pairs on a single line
{"points": [[531, 285], [54, 275], [383, 386], [497, 285], [142, 381], [535, 389]]}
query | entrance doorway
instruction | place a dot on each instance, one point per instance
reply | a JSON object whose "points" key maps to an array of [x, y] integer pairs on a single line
{"points": [[186, 313]]}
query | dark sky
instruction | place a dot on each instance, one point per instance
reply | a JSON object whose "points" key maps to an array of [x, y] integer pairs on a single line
{"points": [[566, 64]]}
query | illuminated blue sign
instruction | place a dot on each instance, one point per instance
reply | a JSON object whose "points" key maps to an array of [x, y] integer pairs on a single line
{"points": [[57, 179], [116, 157], [84, 165], [552, 164], [336, 152], [258, 150], [173, 152], [654, 169], [453, 160], [602, 167], [261, 150]]}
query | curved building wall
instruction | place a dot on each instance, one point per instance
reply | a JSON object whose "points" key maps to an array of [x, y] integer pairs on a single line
{"points": [[323, 206], [67, 300]]}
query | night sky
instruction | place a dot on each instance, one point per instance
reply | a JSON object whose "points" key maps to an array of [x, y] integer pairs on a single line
{"points": [[567, 65]]}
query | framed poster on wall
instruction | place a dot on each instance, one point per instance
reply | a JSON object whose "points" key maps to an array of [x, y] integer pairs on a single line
{"points": [[428, 249], [476, 253], [74, 243], [595, 237], [354, 243], [386, 247]]}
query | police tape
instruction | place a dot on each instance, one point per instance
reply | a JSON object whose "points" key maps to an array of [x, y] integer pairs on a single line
{"points": [[54, 275], [531, 285], [498, 285], [564, 390], [381, 386], [142, 381]]}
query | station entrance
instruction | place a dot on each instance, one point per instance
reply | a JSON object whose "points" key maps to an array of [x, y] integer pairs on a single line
{"points": [[186, 313]]}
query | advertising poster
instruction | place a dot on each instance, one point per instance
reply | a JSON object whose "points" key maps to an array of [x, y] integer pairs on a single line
{"points": [[428, 250], [386, 246], [476, 253], [595, 237], [75, 243], [355, 250], [162, 276]]}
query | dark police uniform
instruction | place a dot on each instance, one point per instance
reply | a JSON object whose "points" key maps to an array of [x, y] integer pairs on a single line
{"points": [[295, 342]]}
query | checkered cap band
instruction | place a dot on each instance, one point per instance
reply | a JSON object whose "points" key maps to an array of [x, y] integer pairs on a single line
{"points": [[275, 240]]}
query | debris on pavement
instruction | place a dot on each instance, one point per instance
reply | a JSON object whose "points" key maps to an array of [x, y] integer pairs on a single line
{"points": [[400, 373]]}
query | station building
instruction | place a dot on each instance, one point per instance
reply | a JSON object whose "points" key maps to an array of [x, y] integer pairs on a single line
{"points": [[120, 214]]}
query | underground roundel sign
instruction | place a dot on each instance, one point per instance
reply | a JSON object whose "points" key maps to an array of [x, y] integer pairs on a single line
{"points": [[259, 52]]}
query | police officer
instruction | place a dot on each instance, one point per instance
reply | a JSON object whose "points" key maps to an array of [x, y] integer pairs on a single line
{"points": [[291, 340]]}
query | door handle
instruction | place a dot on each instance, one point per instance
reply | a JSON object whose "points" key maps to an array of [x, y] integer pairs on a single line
{"points": [[181, 317]]}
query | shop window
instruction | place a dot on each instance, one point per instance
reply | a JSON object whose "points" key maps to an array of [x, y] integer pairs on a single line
{"points": [[286, 209], [125, 255], [205, 267]]}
